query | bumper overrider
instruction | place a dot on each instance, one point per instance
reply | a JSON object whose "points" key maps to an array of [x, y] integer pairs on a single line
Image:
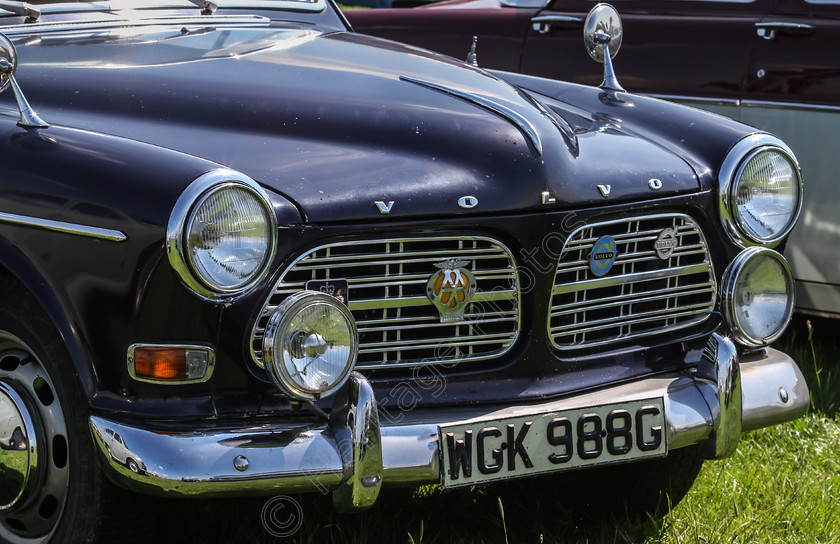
{"points": [[354, 453]]}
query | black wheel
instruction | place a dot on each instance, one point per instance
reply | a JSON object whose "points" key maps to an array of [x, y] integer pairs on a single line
{"points": [[132, 465], [50, 490]]}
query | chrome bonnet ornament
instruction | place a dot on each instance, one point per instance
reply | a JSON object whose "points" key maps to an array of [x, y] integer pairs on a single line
{"points": [[472, 57], [8, 66], [602, 35]]}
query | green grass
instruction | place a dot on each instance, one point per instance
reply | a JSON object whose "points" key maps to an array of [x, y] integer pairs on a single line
{"points": [[781, 486]]}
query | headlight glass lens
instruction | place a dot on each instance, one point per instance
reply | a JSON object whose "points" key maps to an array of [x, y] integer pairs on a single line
{"points": [[310, 345], [229, 237], [766, 195], [759, 296]]}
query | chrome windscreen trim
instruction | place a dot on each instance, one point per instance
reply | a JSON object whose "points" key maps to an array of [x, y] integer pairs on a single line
{"points": [[63, 227], [520, 121], [34, 11], [207, 20]]}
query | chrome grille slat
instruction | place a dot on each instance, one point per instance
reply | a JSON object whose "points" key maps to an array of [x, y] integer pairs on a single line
{"points": [[610, 302], [432, 325], [391, 262], [433, 342], [630, 278], [469, 318], [643, 257], [642, 294], [629, 236], [631, 319], [357, 258], [398, 325]]}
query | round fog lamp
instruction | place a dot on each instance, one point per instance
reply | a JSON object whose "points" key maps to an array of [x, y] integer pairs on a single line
{"points": [[310, 345], [757, 296]]}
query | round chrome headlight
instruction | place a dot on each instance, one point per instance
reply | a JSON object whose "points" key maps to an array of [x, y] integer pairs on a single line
{"points": [[757, 296], [761, 190], [220, 237], [310, 345]]}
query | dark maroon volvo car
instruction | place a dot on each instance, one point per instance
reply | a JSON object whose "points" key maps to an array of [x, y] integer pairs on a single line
{"points": [[244, 250], [768, 63]]}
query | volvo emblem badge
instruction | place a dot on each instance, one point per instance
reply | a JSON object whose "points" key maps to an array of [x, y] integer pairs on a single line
{"points": [[468, 202], [605, 190], [451, 289], [666, 242], [603, 256]]}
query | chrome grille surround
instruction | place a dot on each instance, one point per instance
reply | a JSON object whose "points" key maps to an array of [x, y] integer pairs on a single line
{"points": [[398, 324], [642, 294]]}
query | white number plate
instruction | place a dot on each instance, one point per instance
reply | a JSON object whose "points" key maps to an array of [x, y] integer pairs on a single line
{"points": [[485, 451]]}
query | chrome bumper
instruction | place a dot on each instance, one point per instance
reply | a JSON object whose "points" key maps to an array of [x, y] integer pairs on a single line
{"points": [[353, 455]]}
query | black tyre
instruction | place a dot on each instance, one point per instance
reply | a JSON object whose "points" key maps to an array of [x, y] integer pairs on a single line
{"points": [[52, 490]]}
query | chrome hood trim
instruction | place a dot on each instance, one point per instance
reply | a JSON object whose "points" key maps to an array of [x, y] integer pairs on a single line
{"points": [[520, 121]]}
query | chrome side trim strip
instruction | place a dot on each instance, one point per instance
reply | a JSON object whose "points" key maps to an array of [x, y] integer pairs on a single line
{"points": [[696, 99], [799, 106], [790, 106], [61, 226], [521, 122], [300, 457]]}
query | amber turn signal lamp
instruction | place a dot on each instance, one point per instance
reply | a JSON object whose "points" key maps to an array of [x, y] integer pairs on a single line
{"points": [[160, 363], [170, 364]]}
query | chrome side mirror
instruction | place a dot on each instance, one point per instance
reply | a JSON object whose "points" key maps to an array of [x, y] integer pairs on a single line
{"points": [[602, 35], [8, 67]]}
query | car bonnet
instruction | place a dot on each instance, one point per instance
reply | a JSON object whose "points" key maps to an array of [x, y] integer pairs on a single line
{"points": [[348, 126]]}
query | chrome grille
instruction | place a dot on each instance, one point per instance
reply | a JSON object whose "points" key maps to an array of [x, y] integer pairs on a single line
{"points": [[642, 294], [398, 324]]}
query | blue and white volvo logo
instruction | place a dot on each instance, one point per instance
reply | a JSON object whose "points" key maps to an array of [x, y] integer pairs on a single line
{"points": [[603, 256]]}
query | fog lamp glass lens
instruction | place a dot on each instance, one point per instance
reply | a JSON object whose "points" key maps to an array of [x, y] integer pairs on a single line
{"points": [[310, 345], [766, 195], [761, 297], [229, 238]]}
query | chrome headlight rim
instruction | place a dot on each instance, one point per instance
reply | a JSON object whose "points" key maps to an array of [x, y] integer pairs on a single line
{"points": [[730, 171], [728, 299], [280, 318], [177, 247]]}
